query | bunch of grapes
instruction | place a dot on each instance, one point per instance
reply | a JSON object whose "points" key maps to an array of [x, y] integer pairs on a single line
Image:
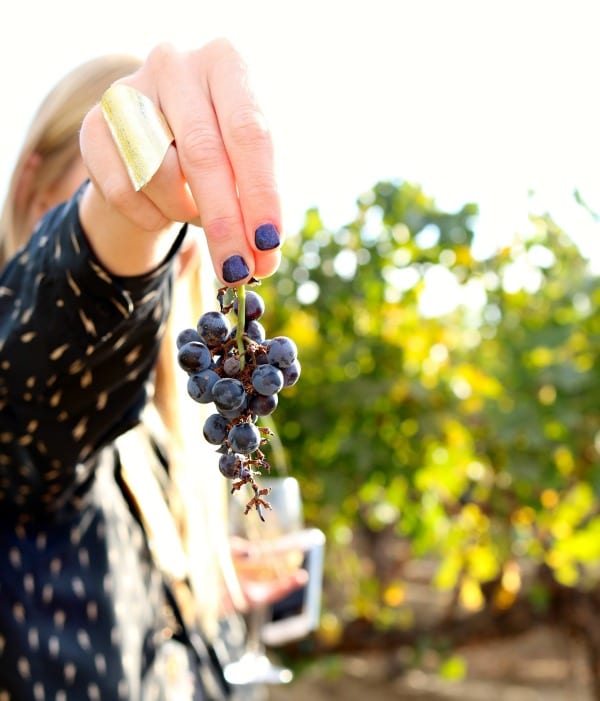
{"points": [[241, 372]]}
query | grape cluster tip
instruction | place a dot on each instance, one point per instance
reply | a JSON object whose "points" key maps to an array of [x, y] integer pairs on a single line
{"points": [[241, 372]]}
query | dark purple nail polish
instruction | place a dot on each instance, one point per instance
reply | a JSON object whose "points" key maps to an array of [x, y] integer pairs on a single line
{"points": [[266, 237], [234, 269]]}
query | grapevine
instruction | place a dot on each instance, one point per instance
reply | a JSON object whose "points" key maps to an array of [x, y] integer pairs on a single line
{"points": [[241, 372]]}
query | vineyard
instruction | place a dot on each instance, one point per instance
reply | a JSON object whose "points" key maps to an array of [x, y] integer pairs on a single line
{"points": [[446, 434]]}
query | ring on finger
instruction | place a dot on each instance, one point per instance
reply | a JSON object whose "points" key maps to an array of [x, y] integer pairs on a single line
{"points": [[139, 129]]}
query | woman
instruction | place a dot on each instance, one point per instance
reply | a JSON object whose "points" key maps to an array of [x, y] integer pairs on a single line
{"points": [[95, 590]]}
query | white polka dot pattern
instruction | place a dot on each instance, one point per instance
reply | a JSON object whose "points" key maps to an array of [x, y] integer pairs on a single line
{"points": [[82, 609]]}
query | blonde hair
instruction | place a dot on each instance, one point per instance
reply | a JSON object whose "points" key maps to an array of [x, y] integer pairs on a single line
{"points": [[53, 136]]}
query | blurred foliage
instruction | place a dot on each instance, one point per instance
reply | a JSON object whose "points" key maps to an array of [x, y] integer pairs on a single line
{"points": [[448, 406]]}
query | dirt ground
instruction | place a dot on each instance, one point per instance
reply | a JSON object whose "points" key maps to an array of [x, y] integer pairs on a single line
{"points": [[543, 665]]}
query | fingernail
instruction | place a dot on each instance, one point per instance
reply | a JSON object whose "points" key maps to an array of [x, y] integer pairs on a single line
{"points": [[234, 269], [266, 237]]}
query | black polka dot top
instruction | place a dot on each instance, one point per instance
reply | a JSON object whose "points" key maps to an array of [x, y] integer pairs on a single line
{"points": [[82, 612]]}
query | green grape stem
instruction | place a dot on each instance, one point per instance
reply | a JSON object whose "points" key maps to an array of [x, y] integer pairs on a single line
{"points": [[241, 323]]}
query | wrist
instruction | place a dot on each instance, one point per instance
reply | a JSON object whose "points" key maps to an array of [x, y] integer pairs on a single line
{"points": [[122, 246]]}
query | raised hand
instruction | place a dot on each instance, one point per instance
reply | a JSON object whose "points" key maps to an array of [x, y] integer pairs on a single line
{"points": [[219, 169]]}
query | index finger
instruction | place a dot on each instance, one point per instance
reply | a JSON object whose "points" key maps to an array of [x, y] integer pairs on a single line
{"points": [[226, 155], [249, 145]]}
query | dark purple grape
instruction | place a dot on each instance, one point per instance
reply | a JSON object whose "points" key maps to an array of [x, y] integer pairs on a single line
{"points": [[194, 356], [200, 386], [215, 430], [228, 393], [254, 306], [185, 336], [233, 413], [267, 379], [231, 366], [213, 328], [291, 374], [282, 351], [244, 473], [229, 464], [244, 438], [261, 358], [262, 405], [255, 331]]}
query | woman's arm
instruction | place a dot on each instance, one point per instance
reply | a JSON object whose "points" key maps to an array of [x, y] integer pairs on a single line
{"points": [[219, 168]]}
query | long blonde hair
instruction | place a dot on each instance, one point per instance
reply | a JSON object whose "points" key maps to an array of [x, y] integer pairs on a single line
{"points": [[54, 136]]}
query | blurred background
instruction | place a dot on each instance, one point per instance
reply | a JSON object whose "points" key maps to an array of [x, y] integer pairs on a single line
{"points": [[439, 171]]}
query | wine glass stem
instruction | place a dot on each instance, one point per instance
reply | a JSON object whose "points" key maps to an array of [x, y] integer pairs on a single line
{"points": [[257, 620]]}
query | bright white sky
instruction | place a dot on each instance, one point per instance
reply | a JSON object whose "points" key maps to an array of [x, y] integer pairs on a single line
{"points": [[479, 100]]}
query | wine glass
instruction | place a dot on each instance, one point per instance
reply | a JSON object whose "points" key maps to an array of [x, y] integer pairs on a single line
{"points": [[270, 557]]}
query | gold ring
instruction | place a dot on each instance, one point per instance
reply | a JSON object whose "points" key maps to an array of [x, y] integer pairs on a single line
{"points": [[139, 130]]}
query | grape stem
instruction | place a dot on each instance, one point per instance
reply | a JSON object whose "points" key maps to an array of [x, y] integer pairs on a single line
{"points": [[241, 323]]}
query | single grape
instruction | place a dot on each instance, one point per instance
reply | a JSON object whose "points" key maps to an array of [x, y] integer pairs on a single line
{"points": [[261, 358], [267, 379], [185, 336], [254, 306], [255, 331], [194, 356], [244, 438], [282, 351], [228, 393], [215, 430], [229, 464], [263, 405], [231, 366], [200, 386], [213, 328], [233, 413], [244, 473], [291, 374]]}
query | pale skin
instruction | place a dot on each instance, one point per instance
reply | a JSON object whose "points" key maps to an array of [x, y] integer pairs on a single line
{"points": [[220, 170]]}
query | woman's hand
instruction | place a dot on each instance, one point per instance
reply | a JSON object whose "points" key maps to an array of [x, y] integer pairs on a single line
{"points": [[219, 169], [260, 580]]}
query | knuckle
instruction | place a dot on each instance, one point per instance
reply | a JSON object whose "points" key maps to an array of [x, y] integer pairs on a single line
{"points": [[260, 185], [119, 194], [220, 47], [222, 228], [248, 128], [160, 54], [201, 147]]}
